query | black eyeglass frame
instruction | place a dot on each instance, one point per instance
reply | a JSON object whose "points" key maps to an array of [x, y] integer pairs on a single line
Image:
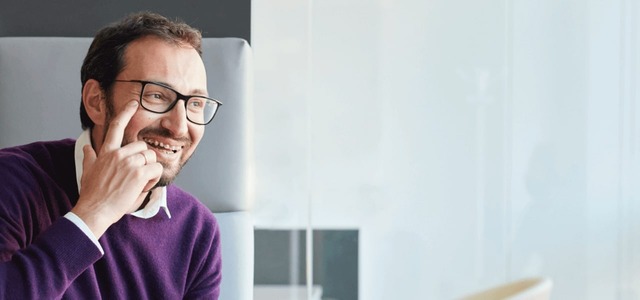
{"points": [[173, 104]]}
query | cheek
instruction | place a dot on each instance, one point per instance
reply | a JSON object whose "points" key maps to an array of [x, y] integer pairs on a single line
{"points": [[196, 132], [138, 122]]}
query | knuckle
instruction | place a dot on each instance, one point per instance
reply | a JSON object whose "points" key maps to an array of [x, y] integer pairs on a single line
{"points": [[132, 161], [138, 173], [118, 155]]}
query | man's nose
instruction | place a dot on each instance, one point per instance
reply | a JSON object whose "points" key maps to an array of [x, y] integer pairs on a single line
{"points": [[175, 120]]}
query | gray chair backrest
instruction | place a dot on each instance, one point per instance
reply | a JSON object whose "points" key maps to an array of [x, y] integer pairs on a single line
{"points": [[40, 94]]}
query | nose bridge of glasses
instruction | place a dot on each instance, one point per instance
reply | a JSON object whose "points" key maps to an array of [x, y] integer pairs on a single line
{"points": [[175, 118], [187, 115], [178, 96]]}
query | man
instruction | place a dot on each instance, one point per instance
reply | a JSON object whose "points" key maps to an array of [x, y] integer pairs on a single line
{"points": [[97, 217]]}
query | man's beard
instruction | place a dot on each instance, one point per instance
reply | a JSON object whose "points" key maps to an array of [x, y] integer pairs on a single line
{"points": [[165, 179]]}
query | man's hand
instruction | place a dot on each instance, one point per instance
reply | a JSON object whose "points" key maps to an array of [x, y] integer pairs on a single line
{"points": [[116, 181]]}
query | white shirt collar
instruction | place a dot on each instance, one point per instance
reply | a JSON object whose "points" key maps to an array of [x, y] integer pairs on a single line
{"points": [[158, 196]]}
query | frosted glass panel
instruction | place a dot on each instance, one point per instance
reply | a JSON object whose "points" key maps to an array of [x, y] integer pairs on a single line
{"points": [[471, 143]]}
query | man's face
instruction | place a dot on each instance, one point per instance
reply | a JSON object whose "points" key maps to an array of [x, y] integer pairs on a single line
{"points": [[170, 135]]}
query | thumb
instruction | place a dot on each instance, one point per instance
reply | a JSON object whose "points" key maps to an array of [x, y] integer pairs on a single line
{"points": [[89, 157], [156, 168]]}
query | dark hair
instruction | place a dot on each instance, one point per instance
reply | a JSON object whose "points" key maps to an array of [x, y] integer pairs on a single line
{"points": [[105, 58]]}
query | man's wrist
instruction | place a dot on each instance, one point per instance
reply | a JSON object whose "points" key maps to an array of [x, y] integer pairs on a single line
{"points": [[95, 222], [83, 226]]}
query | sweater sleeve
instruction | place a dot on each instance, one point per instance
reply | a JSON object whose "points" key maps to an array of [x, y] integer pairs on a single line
{"points": [[44, 269], [34, 264]]}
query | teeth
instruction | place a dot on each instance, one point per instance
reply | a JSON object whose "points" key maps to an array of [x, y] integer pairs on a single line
{"points": [[173, 149]]}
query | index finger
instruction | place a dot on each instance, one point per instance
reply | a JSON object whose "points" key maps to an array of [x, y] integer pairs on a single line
{"points": [[115, 133]]}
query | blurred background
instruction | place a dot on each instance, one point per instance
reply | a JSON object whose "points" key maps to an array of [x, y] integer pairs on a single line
{"points": [[427, 149]]}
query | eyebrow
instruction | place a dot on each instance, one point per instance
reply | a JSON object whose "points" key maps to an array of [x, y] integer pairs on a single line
{"points": [[196, 92]]}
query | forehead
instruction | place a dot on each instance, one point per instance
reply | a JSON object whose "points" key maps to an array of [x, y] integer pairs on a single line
{"points": [[153, 59]]}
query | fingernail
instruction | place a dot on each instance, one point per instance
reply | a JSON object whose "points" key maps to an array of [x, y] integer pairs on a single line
{"points": [[133, 103]]}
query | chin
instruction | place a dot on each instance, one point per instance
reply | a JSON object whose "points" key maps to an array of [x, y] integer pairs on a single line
{"points": [[166, 178], [169, 174]]}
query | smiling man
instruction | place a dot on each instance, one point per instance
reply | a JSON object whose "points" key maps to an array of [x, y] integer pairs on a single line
{"points": [[98, 217]]}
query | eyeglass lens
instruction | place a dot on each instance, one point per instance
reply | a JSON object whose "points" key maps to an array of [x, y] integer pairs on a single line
{"points": [[157, 98]]}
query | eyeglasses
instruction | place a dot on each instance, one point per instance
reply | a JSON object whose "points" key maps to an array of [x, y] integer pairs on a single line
{"points": [[159, 98]]}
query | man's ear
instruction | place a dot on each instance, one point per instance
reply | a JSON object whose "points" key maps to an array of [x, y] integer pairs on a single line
{"points": [[95, 101]]}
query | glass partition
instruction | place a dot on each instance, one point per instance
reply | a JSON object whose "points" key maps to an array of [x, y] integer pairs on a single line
{"points": [[462, 144]]}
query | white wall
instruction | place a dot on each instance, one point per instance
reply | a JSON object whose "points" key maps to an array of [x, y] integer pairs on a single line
{"points": [[471, 142]]}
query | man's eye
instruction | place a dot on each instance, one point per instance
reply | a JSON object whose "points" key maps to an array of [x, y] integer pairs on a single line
{"points": [[196, 104], [156, 97]]}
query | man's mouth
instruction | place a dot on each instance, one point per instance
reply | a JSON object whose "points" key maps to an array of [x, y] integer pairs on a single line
{"points": [[166, 147]]}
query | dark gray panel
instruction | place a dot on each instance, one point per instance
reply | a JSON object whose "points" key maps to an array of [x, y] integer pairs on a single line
{"points": [[79, 18], [335, 260]]}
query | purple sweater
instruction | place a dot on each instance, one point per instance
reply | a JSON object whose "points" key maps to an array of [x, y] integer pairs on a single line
{"points": [[45, 256]]}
